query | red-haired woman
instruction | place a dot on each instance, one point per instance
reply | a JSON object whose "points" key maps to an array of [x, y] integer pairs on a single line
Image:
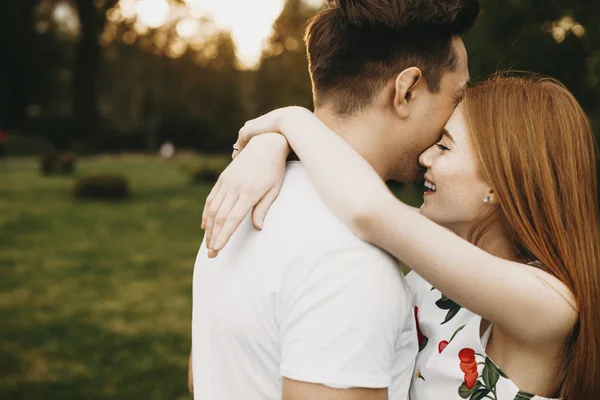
{"points": [[505, 250]]}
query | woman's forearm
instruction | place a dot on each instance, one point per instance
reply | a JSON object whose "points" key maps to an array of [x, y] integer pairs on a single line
{"points": [[507, 293], [343, 178], [518, 298]]}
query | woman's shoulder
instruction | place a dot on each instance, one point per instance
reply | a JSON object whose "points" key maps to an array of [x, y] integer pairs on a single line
{"points": [[560, 288], [557, 303]]}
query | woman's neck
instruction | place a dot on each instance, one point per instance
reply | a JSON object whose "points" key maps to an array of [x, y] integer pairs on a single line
{"points": [[495, 241]]}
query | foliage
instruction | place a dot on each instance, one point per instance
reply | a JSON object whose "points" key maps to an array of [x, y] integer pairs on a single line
{"points": [[101, 187], [62, 164], [66, 163], [518, 35], [135, 93], [48, 164], [282, 78]]}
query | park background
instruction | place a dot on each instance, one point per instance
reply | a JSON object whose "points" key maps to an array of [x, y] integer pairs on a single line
{"points": [[116, 117]]}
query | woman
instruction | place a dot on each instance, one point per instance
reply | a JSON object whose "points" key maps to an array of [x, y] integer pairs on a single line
{"points": [[512, 273]]}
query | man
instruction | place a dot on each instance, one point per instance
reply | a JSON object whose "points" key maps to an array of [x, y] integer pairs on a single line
{"points": [[303, 309]]}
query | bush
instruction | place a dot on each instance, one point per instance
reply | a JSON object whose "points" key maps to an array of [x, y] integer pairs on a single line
{"points": [[208, 169], [206, 175], [48, 164], [61, 164], [66, 163], [102, 187]]}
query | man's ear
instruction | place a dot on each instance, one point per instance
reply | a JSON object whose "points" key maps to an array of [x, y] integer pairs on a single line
{"points": [[406, 86]]}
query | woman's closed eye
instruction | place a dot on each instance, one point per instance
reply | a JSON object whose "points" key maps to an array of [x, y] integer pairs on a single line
{"points": [[442, 147]]}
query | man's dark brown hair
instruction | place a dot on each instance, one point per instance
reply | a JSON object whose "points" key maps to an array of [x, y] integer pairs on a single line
{"points": [[356, 46]]}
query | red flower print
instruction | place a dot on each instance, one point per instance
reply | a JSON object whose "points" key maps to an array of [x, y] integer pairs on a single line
{"points": [[420, 337], [468, 365], [467, 355], [442, 345], [468, 368], [471, 380]]}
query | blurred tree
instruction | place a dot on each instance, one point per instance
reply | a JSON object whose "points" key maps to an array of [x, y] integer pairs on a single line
{"points": [[282, 78], [17, 39], [558, 38], [125, 86], [92, 18], [161, 87]]}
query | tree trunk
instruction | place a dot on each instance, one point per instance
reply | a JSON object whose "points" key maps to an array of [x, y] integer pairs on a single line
{"points": [[87, 69], [17, 38]]}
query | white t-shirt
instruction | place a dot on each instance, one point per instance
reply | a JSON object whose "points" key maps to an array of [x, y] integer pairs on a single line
{"points": [[305, 299]]}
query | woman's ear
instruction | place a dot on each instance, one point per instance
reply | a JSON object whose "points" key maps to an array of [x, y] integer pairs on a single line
{"points": [[490, 197], [407, 86]]}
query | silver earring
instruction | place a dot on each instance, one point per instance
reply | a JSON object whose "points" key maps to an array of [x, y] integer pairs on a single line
{"points": [[486, 199]]}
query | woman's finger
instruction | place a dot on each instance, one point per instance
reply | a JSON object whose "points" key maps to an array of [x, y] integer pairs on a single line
{"points": [[231, 198], [211, 214], [233, 221], [236, 150], [209, 200], [212, 253], [260, 210]]}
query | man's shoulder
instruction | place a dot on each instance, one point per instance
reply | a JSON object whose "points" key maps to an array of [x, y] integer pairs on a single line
{"points": [[299, 209]]}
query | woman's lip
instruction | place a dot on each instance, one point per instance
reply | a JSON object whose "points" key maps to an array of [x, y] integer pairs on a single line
{"points": [[428, 179], [428, 193]]}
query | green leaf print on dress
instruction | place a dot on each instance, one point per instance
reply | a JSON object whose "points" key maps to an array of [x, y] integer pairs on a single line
{"points": [[446, 304], [476, 387]]}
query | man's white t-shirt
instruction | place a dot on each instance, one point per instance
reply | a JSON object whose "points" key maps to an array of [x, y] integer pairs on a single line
{"points": [[303, 299]]}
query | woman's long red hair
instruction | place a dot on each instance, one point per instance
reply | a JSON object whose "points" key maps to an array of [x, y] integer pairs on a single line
{"points": [[536, 150]]}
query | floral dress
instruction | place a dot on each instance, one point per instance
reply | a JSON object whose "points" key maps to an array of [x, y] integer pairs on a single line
{"points": [[452, 363]]}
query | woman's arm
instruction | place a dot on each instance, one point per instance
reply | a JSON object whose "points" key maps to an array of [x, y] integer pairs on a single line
{"points": [[251, 182], [521, 300]]}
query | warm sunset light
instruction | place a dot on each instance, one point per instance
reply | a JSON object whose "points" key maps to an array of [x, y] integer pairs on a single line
{"points": [[152, 13], [250, 22]]}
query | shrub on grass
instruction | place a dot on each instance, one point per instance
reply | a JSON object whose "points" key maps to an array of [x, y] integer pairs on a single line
{"points": [[48, 164], [66, 163], [208, 169], [205, 175], [101, 187]]}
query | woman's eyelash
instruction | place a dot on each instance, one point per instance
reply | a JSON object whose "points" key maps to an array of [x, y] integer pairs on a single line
{"points": [[442, 147]]}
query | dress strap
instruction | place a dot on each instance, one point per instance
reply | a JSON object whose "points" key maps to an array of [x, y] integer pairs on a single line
{"points": [[486, 337]]}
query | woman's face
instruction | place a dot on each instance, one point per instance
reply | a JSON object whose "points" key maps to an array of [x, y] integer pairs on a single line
{"points": [[455, 197]]}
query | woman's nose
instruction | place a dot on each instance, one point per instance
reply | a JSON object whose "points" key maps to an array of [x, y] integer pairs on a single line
{"points": [[425, 157]]}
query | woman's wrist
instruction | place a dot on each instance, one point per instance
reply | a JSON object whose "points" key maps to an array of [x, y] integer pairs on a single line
{"points": [[274, 142], [294, 120]]}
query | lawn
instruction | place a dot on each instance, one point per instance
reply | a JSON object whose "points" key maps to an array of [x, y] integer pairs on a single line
{"points": [[95, 297]]}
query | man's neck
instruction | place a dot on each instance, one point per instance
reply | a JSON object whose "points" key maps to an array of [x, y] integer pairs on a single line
{"points": [[363, 134]]}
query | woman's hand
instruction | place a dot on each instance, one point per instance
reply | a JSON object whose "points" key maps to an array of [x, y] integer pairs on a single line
{"points": [[190, 376], [276, 122], [253, 179]]}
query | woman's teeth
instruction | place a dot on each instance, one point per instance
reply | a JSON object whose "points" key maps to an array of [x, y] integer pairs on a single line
{"points": [[430, 186]]}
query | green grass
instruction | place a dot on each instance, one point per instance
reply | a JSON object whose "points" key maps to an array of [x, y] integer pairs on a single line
{"points": [[95, 297]]}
